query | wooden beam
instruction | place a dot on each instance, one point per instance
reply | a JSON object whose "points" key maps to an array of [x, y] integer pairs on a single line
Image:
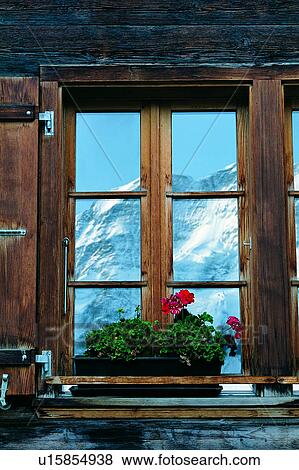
{"points": [[271, 333], [225, 400], [166, 413], [157, 74], [166, 380]]}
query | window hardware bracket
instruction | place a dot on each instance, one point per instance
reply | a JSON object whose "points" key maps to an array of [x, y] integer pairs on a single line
{"points": [[48, 118], [45, 359], [4, 386]]}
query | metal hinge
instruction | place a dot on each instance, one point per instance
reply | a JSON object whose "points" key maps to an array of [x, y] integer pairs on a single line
{"points": [[4, 387], [48, 118], [45, 358]]}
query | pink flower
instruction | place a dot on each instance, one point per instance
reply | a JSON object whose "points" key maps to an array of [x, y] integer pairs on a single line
{"points": [[235, 325]]}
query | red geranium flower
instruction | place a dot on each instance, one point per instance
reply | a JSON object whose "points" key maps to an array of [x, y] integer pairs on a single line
{"points": [[185, 296]]}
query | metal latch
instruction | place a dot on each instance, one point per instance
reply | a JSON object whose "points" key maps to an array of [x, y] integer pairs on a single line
{"points": [[48, 118], [9, 232], [45, 358], [4, 387]]}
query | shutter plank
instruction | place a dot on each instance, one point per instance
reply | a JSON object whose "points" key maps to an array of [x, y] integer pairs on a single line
{"points": [[18, 208]]}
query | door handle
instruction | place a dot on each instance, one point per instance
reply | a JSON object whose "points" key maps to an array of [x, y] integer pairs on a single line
{"points": [[66, 243]]}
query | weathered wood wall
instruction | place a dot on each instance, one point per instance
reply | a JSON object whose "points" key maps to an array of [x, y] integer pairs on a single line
{"points": [[186, 32], [26, 432]]}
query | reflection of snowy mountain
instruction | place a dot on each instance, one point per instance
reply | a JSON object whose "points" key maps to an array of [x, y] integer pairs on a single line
{"points": [[205, 248]]}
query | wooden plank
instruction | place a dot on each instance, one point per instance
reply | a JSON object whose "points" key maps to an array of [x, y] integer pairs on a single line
{"points": [[206, 195], [158, 12], [159, 74], [271, 354], [155, 210], [18, 208], [288, 380], [145, 207], [108, 195], [51, 320], [167, 413], [16, 112], [246, 401], [244, 230], [69, 217], [19, 430], [195, 380], [166, 227]]}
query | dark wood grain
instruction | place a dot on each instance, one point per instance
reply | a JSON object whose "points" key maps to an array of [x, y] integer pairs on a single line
{"points": [[20, 429], [25, 49], [18, 208], [157, 12], [271, 338]]}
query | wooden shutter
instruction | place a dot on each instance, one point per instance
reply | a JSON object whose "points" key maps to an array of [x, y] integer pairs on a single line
{"points": [[18, 209]]}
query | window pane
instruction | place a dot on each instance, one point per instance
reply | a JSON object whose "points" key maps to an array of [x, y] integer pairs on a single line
{"points": [[204, 151], [205, 240], [107, 151], [107, 240], [220, 303], [95, 308], [296, 148]]}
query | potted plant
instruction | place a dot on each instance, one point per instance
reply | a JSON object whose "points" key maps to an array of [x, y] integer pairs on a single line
{"points": [[134, 347]]}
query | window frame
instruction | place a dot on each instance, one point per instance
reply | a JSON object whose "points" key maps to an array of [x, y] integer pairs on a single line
{"points": [[269, 360], [156, 191]]}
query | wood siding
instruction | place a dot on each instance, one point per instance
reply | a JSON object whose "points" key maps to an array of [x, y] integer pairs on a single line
{"points": [[186, 32]]}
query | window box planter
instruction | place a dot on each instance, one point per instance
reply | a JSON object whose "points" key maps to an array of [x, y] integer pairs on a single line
{"points": [[146, 366]]}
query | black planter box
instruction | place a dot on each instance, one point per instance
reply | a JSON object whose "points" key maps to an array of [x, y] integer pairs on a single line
{"points": [[145, 366]]}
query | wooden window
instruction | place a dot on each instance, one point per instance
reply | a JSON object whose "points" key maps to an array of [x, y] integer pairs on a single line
{"points": [[156, 200], [264, 271]]}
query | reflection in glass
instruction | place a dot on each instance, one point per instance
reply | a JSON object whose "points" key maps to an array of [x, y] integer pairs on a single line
{"points": [[296, 148], [107, 151], [220, 303], [95, 308], [204, 151], [205, 240], [107, 240]]}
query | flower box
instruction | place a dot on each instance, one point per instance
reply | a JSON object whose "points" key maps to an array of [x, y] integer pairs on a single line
{"points": [[146, 366]]}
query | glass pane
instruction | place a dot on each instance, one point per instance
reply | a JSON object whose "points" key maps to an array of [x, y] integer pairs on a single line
{"points": [[204, 151], [296, 148], [95, 308], [107, 240], [107, 151], [220, 303], [205, 240]]}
